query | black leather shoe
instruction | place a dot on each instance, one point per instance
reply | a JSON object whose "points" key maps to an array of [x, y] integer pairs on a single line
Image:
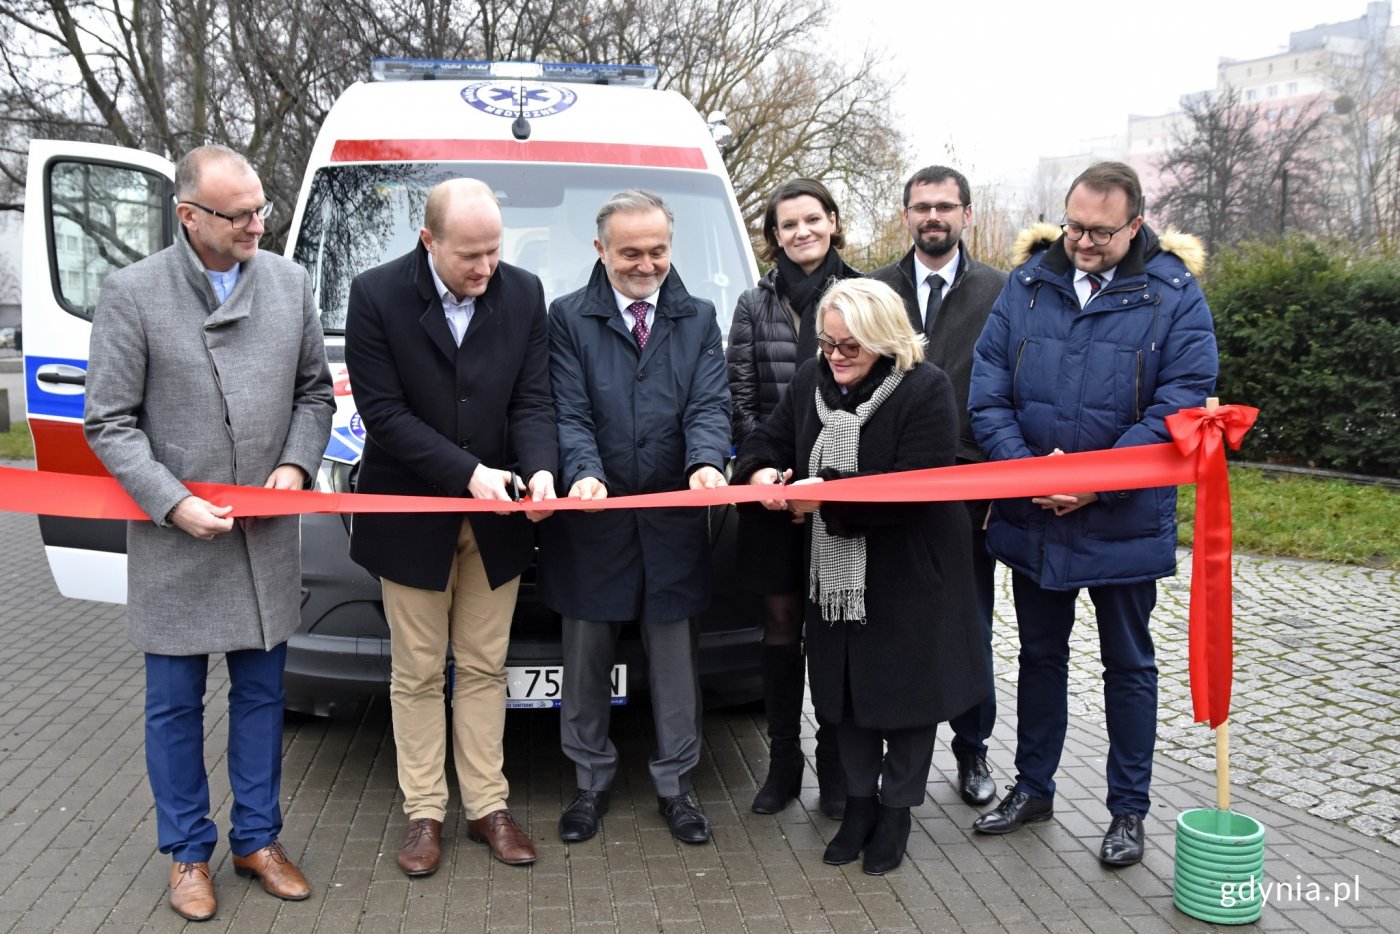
{"points": [[688, 824], [579, 821], [975, 780], [1122, 845], [1016, 808]]}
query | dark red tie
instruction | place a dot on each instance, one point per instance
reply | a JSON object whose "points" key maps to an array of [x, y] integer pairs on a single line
{"points": [[639, 311], [1095, 283]]}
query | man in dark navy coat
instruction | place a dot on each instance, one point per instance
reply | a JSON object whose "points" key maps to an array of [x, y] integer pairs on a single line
{"points": [[640, 385], [447, 350]]}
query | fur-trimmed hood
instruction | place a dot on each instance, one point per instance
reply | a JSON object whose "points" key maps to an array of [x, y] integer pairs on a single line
{"points": [[1185, 247]]}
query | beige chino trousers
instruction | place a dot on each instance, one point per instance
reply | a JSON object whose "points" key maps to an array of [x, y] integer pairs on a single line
{"points": [[475, 621]]}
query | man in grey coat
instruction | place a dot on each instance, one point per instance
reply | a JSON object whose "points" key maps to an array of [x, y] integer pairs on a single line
{"points": [[207, 363], [948, 295]]}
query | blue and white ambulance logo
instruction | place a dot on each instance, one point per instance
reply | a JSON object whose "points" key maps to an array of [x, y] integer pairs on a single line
{"points": [[357, 427], [511, 100]]}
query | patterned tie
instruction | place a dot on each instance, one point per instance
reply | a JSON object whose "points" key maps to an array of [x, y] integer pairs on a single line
{"points": [[639, 311], [1095, 283], [935, 298]]}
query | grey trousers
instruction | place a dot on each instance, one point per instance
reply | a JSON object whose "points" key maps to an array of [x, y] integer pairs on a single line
{"points": [[673, 674]]}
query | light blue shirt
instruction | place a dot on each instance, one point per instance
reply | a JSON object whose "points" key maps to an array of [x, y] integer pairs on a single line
{"points": [[223, 282]]}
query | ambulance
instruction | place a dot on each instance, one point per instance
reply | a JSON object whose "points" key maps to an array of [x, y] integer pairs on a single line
{"points": [[553, 142]]}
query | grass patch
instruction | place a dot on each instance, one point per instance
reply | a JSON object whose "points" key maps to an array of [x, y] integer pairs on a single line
{"points": [[1307, 517], [16, 444]]}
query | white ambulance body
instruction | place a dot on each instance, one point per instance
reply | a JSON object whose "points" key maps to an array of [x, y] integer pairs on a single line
{"points": [[91, 209]]}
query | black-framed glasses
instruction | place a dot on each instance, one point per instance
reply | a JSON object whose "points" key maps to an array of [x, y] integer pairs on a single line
{"points": [[1099, 236], [849, 349], [236, 221], [942, 208]]}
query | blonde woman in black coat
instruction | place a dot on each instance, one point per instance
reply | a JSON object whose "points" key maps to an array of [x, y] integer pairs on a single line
{"points": [[892, 645], [774, 329]]}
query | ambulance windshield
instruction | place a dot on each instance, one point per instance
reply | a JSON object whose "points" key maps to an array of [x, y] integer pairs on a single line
{"points": [[358, 216]]}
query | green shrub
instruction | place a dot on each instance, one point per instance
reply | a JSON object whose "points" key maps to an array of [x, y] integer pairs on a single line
{"points": [[1312, 337]]}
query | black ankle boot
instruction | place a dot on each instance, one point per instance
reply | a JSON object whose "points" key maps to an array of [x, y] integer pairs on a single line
{"points": [[885, 851], [856, 829], [831, 778], [783, 684]]}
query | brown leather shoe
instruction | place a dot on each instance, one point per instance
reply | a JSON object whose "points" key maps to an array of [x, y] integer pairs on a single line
{"points": [[192, 891], [508, 842], [422, 847], [279, 875]]}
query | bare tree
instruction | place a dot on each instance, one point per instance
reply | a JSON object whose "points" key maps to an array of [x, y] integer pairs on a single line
{"points": [[259, 75], [1236, 171], [1366, 140]]}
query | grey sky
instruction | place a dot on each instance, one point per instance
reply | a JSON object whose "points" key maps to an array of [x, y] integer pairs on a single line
{"points": [[1006, 81]]}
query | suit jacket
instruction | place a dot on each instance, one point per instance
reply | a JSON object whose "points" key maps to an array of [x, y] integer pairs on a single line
{"points": [[959, 323], [433, 411], [181, 387]]}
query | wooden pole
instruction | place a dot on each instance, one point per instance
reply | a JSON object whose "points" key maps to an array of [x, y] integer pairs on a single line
{"points": [[1222, 731]]}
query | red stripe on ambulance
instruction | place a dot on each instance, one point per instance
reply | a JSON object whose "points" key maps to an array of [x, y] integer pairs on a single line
{"points": [[478, 150]]}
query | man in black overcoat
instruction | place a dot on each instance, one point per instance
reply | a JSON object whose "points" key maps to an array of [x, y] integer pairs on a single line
{"points": [[948, 295], [447, 351]]}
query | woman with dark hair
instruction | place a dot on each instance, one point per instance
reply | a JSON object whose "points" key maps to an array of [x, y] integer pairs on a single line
{"points": [[774, 329], [892, 643]]}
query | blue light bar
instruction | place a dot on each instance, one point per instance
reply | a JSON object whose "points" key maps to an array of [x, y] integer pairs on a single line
{"points": [[447, 69]]}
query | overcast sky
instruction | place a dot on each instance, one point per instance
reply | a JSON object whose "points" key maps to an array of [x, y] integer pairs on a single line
{"points": [[1006, 81]]}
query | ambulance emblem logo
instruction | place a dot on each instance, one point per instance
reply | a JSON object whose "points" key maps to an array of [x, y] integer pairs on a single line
{"points": [[510, 100]]}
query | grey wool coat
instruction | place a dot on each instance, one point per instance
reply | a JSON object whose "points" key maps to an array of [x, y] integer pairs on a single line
{"points": [[181, 388]]}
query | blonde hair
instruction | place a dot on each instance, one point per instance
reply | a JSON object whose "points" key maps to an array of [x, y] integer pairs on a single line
{"points": [[875, 316]]}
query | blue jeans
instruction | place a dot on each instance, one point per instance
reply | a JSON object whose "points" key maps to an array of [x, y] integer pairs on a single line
{"points": [[1045, 618], [175, 751]]}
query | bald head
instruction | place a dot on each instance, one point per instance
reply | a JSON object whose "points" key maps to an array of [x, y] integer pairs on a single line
{"points": [[460, 200], [462, 233]]}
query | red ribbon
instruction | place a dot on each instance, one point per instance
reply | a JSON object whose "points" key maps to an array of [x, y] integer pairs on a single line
{"points": [[87, 497], [1211, 636], [1195, 455]]}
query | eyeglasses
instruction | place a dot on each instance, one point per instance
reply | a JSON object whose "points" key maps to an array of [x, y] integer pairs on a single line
{"points": [[236, 221], [849, 349], [942, 208], [1097, 235]]}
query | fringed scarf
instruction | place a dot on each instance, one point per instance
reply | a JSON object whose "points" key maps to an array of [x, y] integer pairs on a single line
{"points": [[838, 564]]}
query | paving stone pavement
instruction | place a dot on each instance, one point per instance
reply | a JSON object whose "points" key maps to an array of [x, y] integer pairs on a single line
{"points": [[1315, 744]]}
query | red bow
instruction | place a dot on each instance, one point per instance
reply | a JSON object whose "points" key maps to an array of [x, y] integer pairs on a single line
{"points": [[1211, 632]]}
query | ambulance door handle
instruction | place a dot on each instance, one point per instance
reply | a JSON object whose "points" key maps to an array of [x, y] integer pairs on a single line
{"points": [[61, 376]]}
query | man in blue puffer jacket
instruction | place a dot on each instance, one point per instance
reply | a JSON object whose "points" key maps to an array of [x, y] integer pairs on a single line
{"points": [[1101, 332]]}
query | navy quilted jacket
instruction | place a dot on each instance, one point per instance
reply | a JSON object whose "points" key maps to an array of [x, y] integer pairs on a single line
{"points": [[1049, 375]]}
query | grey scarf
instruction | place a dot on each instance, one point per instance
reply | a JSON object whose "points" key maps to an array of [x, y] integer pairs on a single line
{"points": [[838, 564]]}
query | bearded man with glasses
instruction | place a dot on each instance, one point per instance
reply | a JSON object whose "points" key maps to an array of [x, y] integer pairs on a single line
{"points": [[1101, 332], [948, 295]]}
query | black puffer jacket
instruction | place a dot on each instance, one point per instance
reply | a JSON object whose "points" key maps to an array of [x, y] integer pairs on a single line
{"points": [[762, 351]]}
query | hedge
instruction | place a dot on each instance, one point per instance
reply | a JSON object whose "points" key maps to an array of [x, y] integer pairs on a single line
{"points": [[1311, 336]]}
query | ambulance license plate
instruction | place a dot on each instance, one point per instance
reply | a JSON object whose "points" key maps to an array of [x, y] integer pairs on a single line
{"points": [[541, 685]]}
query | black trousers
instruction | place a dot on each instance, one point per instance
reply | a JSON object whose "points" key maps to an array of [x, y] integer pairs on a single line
{"points": [[896, 762]]}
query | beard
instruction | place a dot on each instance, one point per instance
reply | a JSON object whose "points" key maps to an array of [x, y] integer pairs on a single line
{"points": [[935, 241]]}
